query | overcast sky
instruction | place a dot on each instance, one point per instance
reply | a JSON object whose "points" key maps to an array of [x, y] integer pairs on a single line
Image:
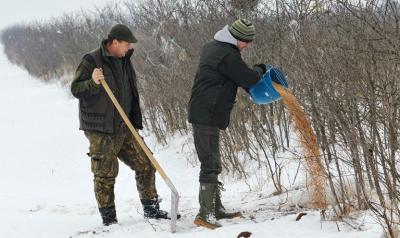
{"points": [[16, 11]]}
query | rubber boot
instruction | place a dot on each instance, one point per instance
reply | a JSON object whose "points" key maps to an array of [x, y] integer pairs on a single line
{"points": [[108, 215], [206, 215], [151, 209]]}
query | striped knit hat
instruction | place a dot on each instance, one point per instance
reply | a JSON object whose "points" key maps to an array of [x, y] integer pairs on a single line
{"points": [[243, 30]]}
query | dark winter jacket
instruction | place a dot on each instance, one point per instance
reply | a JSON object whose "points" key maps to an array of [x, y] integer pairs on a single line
{"points": [[96, 111], [220, 72]]}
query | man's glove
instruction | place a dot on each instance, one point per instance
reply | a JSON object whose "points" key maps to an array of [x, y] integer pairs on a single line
{"points": [[263, 67]]}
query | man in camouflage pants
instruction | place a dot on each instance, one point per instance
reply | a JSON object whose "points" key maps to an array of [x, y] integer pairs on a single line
{"points": [[107, 133]]}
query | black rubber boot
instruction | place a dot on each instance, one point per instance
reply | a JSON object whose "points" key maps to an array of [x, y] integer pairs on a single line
{"points": [[151, 208], [109, 215]]}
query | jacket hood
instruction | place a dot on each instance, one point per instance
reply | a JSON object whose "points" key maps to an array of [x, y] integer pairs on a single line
{"points": [[224, 35]]}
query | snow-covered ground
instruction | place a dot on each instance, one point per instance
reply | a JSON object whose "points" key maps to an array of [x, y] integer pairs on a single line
{"points": [[47, 191]]}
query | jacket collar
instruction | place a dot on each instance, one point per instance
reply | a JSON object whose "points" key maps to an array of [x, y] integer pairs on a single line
{"points": [[106, 56]]}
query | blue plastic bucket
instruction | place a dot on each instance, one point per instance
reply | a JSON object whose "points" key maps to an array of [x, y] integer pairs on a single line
{"points": [[264, 92]]}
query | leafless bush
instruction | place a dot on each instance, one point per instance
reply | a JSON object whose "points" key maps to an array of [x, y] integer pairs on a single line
{"points": [[341, 59]]}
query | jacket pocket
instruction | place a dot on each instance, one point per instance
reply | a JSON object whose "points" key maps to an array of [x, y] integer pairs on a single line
{"points": [[89, 101]]}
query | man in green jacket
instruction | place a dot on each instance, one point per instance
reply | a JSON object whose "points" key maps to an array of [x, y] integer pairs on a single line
{"points": [[108, 135], [220, 72]]}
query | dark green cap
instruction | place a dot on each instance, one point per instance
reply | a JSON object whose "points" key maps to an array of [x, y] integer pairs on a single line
{"points": [[242, 30], [122, 32]]}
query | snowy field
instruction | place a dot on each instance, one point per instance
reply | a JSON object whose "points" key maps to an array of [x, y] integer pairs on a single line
{"points": [[47, 191]]}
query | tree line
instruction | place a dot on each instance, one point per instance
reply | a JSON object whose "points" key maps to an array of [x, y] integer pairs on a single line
{"points": [[341, 58]]}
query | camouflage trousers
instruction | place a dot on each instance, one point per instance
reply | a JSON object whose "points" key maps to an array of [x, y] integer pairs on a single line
{"points": [[104, 150]]}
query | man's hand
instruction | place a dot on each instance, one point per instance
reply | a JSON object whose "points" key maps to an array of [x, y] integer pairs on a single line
{"points": [[97, 75]]}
